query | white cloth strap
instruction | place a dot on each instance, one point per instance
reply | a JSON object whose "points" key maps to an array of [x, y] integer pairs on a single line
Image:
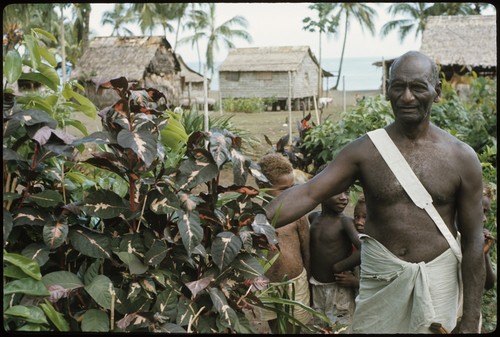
{"points": [[410, 182]]}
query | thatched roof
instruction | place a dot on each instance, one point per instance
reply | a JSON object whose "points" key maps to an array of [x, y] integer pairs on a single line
{"points": [[268, 59], [189, 74], [469, 40], [112, 56]]}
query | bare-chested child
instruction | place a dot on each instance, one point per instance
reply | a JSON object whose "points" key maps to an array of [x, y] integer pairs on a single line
{"points": [[332, 237], [293, 241], [491, 276]]}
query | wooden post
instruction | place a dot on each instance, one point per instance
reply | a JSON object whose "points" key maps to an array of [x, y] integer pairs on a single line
{"points": [[316, 110], [384, 78], [205, 94]]}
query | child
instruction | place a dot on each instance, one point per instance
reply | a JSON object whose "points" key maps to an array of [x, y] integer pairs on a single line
{"points": [[491, 276], [293, 240], [333, 235]]}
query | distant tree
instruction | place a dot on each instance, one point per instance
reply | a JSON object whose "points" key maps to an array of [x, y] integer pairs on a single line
{"points": [[206, 29], [324, 24], [415, 15], [196, 22], [117, 18], [363, 14]]}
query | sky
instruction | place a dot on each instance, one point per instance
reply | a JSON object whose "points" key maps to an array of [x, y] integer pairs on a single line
{"points": [[280, 24]]}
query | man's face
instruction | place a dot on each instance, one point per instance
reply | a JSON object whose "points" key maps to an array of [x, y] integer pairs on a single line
{"points": [[411, 92]]}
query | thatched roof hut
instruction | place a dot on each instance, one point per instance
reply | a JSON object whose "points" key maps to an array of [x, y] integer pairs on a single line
{"points": [[264, 72], [147, 60], [459, 44], [191, 83]]}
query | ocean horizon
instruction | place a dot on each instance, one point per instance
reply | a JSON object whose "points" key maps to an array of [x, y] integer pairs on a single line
{"points": [[358, 73]]}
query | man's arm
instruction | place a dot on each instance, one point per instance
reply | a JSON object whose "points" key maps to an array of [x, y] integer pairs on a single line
{"points": [[303, 231], [469, 222], [297, 201]]}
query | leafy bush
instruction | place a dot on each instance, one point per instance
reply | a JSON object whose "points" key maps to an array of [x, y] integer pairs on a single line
{"points": [[120, 241], [248, 105]]}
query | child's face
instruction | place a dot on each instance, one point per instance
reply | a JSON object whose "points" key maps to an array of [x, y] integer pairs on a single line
{"points": [[281, 184], [338, 202], [360, 218]]}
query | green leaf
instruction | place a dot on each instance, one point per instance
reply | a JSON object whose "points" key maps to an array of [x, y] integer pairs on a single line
{"points": [[101, 290], [28, 266], [47, 198], [64, 279], [225, 247], [7, 224], [90, 244], [86, 105], [40, 78], [95, 320], [29, 313], [12, 66], [26, 286], [47, 55], [134, 264], [45, 33], [55, 317], [105, 204]]}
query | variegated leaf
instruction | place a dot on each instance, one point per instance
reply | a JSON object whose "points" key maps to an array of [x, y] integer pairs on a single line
{"points": [[7, 225], [199, 285], [196, 170], [226, 313], [186, 310], [240, 167], [220, 147], [142, 143], [225, 248], [190, 230], [104, 204], [30, 216], [261, 225], [248, 265], [55, 235], [101, 290], [156, 253], [166, 303], [37, 252], [163, 201], [90, 244]]}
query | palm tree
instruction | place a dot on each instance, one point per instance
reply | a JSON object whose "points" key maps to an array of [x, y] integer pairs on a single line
{"points": [[206, 29], [117, 18], [362, 13], [196, 22], [415, 13], [325, 24]]}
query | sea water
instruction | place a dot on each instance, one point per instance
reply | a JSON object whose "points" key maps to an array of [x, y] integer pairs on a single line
{"points": [[357, 73]]}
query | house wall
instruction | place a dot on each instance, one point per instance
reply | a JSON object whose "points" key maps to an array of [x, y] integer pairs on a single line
{"points": [[271, 84]]}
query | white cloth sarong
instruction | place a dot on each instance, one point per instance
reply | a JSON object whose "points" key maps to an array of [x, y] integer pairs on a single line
{"points": [[396, 296]]}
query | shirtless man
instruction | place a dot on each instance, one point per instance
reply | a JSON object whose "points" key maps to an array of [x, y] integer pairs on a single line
{"points": [[293, 241], [332, 237], [396, 229]]}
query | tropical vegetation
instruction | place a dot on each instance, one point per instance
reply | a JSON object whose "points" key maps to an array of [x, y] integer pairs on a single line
{"points": [[139, 235]]}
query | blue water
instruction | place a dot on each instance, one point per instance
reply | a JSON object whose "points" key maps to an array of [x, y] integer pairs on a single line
{"points": [[358, 73]]}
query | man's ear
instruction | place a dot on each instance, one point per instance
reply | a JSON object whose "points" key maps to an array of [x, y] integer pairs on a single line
{"points": [[438, 89]]}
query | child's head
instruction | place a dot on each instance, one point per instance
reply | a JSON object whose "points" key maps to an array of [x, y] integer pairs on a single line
{"points": [[336, 203], [278, 170], [360, 214]]}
